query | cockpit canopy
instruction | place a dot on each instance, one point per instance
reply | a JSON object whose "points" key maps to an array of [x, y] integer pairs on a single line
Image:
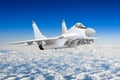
{"points": [[80, 25]]}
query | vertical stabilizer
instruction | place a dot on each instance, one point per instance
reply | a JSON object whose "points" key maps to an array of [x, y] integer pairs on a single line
{"points": [[64, 28], [37, 33]]}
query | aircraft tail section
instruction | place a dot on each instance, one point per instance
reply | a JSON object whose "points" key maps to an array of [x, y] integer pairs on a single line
{"points": [[37, 33], [64, 28]]}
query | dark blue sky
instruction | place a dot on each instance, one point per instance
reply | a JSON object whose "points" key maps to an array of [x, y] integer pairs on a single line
{"points": [[16, 17]]}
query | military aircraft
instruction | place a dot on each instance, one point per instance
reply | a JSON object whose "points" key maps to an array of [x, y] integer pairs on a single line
{"points": [[77, 35]]}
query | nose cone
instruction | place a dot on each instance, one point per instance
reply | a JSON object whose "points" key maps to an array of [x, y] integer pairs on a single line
{"points": [[90, 32]]}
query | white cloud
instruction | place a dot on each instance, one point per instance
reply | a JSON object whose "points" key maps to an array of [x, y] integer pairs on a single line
{"points": [[89, 61]]}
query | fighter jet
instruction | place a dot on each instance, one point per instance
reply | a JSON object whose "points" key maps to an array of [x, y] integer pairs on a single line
{"points": [[77, 35]]}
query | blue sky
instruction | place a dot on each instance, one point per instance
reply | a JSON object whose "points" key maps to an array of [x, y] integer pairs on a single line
{"points": [[16, 17]]}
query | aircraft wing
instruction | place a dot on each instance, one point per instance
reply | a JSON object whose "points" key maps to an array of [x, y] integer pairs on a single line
{"points": [[30, 42], [37, 40]]}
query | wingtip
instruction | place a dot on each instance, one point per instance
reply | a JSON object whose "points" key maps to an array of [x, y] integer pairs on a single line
{"points": [[12, 43]]}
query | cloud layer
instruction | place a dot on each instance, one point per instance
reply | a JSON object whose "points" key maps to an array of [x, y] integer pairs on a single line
{"points": [[91, 62]]}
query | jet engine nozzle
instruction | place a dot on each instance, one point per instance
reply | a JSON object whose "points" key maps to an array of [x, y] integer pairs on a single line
{"points": [[90, 32]]}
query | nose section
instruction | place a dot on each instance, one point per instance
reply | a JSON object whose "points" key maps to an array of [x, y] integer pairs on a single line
{"points": [[90, 32]]}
